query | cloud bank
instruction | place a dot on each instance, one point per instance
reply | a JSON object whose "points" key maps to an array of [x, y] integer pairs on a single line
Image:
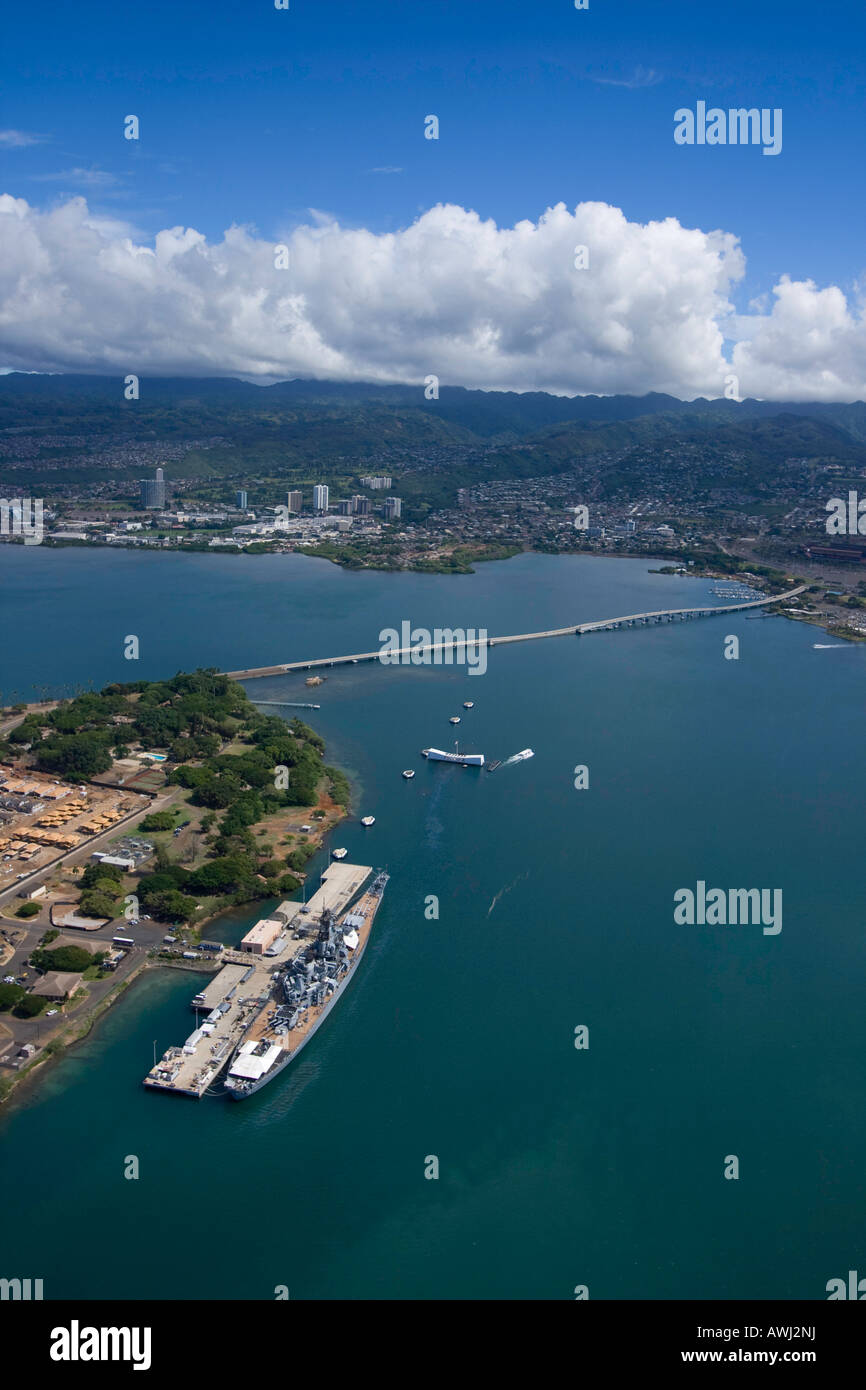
{"points": [[451, 295]]}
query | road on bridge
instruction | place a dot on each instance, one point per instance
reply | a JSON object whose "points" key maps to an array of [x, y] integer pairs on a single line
{"points": [[577, 630]]}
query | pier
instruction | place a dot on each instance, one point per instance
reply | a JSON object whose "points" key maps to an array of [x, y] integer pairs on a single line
{"points": [[236, 994], [662, 615]]}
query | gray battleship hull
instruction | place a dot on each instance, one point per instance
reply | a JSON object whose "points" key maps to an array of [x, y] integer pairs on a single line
{"points": [[250, 1090]]}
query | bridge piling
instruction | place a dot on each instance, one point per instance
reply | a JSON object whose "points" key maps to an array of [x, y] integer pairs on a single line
{"points": [[669, 615]]}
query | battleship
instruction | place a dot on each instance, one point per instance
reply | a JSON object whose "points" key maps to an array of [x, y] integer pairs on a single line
{"points": [[303, 994], [436, 755]]}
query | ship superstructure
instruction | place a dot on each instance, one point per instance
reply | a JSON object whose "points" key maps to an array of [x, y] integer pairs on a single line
{"points": [[303, 994]]}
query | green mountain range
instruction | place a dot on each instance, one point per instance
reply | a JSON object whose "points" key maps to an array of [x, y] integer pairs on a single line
{"points": [[55, 429]]}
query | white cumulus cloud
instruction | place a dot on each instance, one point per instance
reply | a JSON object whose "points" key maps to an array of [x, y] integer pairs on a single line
{"points": [[811, 345], [453, 295]]}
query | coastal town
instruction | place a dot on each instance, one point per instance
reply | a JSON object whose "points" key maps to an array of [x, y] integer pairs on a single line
{"points": [[635, 502]]}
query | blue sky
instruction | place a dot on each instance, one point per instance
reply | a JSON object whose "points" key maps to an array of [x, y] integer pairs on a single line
{"points": [[254, 116]]}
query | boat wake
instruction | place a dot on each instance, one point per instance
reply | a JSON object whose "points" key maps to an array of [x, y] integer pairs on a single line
{"points": [[507, 889], [828, 646], [518, 757]]}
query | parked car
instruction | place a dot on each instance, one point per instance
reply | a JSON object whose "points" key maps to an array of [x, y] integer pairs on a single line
{"points": [[49, 1013]]}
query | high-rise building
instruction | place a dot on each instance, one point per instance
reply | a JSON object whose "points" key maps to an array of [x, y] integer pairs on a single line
{"points": [[361, 505], [320, 497], [295, 502], [345, 506], [393, 508], [241, 499], [153, 491], [377, 484]]}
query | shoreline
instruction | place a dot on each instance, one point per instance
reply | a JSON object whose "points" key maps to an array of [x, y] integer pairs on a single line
{"points": [[20, 1083], [810, 619], [441, 569], [259, 549], [15, 1083], [26, 1081]]}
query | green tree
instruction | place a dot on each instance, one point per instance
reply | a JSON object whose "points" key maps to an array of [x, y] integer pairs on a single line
{"points": [[221, 875], [96, 903], [9, 996], [171, 906], [102, 876], [158, 820], [72, 958], [30, 1005], [297, 858], [74, 755]]}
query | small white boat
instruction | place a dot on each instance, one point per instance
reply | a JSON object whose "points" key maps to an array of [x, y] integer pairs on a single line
{"points": [[339, 853], [368, 820], [468, 704], [409, 772], [455, 719]]}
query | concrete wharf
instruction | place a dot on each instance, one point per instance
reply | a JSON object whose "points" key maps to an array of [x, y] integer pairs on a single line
{"points": [[238, 991]]}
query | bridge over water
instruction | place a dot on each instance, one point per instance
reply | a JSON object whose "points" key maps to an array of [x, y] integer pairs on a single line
{"points": [[663, 615]]}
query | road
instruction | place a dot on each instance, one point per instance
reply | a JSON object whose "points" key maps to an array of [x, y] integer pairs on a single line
{"points": [[575, 630], [14, 1032]]}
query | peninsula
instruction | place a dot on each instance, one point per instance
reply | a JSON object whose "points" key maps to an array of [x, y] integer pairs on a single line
{"points": [[132, 816]]}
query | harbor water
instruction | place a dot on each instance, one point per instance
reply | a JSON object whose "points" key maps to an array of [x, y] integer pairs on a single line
{"points": [[521, 911]]}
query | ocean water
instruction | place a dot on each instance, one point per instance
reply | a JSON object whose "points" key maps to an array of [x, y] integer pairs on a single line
{"points": [[554, 910]]}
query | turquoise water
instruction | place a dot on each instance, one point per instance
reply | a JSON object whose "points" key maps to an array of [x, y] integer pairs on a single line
{"points": [[557, 1166]]}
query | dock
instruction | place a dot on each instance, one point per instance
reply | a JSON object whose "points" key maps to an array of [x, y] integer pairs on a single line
{"points": [[220, 988], [233, 997]]}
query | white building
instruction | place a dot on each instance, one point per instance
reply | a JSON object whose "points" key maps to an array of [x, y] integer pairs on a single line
{"points": [[320, 497]]}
